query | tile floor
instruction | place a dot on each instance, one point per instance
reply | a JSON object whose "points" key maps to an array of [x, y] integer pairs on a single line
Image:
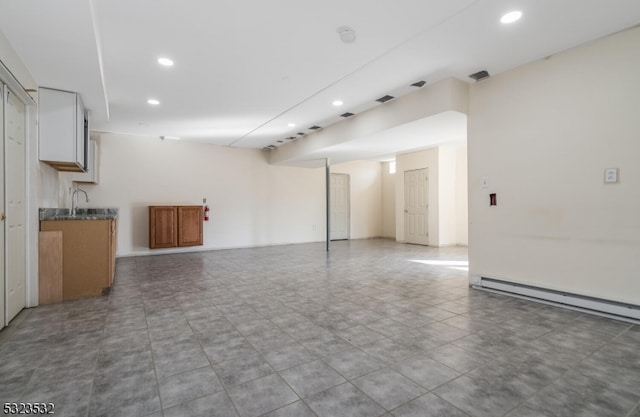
{"points": [[375, 328]]}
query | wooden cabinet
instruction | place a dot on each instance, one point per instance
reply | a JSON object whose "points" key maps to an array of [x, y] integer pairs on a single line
{"points": [[63, 127], [88, 255], [190, 220], [163, 227], [174, 226]]}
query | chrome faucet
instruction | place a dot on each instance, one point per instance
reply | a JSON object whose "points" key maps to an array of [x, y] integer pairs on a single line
{"points": [[74, 200]]}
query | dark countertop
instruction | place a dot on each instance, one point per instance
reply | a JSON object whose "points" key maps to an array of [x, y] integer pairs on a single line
{"points": [[81, 214]]}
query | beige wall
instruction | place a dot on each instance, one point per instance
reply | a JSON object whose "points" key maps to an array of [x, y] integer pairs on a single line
{"points": [[408, 162], [388, 202], [252, 203], [447, 210], [365, 184], [447, 170], [39, 177], [462, 207], [543, 135]]}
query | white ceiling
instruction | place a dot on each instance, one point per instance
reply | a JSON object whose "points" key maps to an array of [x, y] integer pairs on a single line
{"points": [[245, 69]]}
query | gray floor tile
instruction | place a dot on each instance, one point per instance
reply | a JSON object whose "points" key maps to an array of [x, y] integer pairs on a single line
{"points": [[428, 405], [389, 388], [297, 409], [344, 401], [247, 312], [389, 351], [261, 396], [353, 363], [577, 394], [288, 356], [425, 371], [457, 358], [188, 385], [479, 398], [214, 405], [310, 378], [359, 335], [246, 368]]}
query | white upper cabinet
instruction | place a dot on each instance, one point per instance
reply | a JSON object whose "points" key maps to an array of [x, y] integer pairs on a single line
{"points": [[93, 167], [63, 130]]}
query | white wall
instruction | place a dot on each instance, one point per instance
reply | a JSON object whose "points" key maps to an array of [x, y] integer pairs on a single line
{"points": [[447, 161], [252, 203], [365, 183], [388, 202], [543, 134], [41, 179], [462, 207]]}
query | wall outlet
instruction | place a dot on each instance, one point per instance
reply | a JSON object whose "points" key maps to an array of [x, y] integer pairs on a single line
{"points": [[611, 175]]}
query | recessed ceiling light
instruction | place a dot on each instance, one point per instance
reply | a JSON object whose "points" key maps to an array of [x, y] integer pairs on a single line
{"points": [[337, 103], [153, 102], [291, 125], [166, 62], [511, 17]]}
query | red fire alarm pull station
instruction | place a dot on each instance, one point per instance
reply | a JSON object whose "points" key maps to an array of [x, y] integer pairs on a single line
{"points": [[492, 199], [206, 213]]}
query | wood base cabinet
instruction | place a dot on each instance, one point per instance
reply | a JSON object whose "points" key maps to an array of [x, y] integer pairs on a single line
{"points": [[175, 226], [88, 255]]}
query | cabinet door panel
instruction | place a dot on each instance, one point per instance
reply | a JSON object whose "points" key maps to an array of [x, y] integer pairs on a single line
{"points": [[190, 225], [163, 230]]}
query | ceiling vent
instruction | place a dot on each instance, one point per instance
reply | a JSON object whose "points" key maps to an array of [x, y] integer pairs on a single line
{"points": [[347, 114], [315, 127], [418, 84], [300, 134], [280, 141], [291, 138], [480, 75], [384, 99]]}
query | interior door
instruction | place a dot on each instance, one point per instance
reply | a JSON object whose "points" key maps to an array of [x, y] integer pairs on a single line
{"points": [[3, 320], [416, 207], [339, 219], [15, 203]]}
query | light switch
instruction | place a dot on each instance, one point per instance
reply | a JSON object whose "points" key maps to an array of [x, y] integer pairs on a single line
{"points": [[611, 175], [484, 182]]}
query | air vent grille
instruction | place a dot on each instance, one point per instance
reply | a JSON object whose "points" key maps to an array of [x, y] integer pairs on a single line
{"points": [[384, 99], [418, 84], [315, 127], [479, 75], [347, 114]]}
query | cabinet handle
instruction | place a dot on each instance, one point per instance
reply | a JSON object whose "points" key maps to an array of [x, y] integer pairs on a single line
{"points": [[2, 217]]}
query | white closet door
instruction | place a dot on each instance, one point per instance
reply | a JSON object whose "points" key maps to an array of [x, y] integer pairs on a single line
{"points": [[15, 204]]}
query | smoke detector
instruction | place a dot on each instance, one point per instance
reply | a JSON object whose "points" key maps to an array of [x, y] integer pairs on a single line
{"points": [[347, 35]]}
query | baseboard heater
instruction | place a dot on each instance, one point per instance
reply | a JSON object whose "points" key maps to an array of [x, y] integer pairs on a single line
{"points": [[598, 306]]}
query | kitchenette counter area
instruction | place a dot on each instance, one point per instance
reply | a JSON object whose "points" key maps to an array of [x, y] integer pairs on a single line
{"points": [[77, 252]]}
